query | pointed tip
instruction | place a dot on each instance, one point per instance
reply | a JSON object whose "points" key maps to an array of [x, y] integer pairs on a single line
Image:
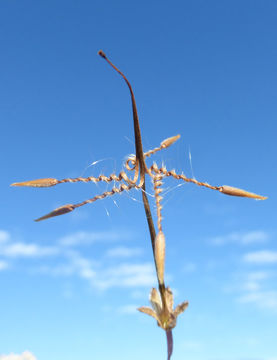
{"points": [[232, 191], [47, 182], [169, 141], [59, 211], [102, 54]]}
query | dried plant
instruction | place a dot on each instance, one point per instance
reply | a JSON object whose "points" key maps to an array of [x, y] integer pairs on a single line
{"points": [[162, 301]]}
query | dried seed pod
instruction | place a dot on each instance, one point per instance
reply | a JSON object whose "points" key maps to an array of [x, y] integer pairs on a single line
{"points": [[38, 183], [160, 255], [229, 190], [59, 211], [169, 141]]}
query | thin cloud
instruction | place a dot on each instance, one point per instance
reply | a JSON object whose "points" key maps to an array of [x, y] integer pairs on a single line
{"points": [[87, 238], [262, 299], [3, 265], [76, 265], [21, 249], [4, 236], [246, 238], [68, 262], [261, 257], [10, 249], [123, 251], [253, 281], [257, 288], [26, 355], [126, 275]]}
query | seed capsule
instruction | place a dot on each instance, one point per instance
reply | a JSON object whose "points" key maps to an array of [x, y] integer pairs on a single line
{"points": [[229, 190], [160, 255]]}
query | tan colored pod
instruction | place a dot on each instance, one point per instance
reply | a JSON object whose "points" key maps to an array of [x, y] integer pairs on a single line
{"points": [[59, 211], [160, 255], [230, 190], [169, 141], [38, 183]]}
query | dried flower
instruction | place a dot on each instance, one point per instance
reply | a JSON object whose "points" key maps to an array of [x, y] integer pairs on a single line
{"points": [[166, 317]]}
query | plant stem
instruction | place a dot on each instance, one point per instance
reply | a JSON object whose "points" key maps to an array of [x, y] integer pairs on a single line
{"points": [[143, 169]]}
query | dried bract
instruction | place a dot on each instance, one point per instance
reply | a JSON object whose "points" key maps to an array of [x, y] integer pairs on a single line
{"points": [[166, 316]]}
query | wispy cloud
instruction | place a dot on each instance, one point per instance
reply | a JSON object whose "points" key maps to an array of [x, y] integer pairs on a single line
{"points": [[73, 264], [4, 236], [69, 261], [123, 251], [87, 238], [26, 355], [21, 249], [3, 265], [257, 288], [11, 249], [241, 238], [261, 257], [262, 299], [253, 281], [126, 275]]}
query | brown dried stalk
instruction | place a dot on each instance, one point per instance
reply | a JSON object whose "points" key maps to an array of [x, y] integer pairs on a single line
{"points": [[162, 302]]}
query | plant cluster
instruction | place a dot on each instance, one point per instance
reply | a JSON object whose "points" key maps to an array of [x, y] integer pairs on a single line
{"points": [[162, 299]]}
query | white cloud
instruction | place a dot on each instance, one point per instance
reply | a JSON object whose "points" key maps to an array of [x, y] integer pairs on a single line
{"points": [[4, 236], [247, 238], [21, 249], [76, 265], [68, 262], [87, 238], [261, 257], [257, 288], [26, 355], [253, 281], [262, 299], [3, 265], [123, 251], [126, 275], [8, 248]]}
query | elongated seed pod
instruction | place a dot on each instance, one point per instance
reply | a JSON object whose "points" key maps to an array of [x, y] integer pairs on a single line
{"points": [[169, 141], [38, 183], [59, 211], [160, 255], [230, 190]]}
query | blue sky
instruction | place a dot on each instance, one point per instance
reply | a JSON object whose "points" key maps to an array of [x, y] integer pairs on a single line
{"points": [[70, 286]]}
